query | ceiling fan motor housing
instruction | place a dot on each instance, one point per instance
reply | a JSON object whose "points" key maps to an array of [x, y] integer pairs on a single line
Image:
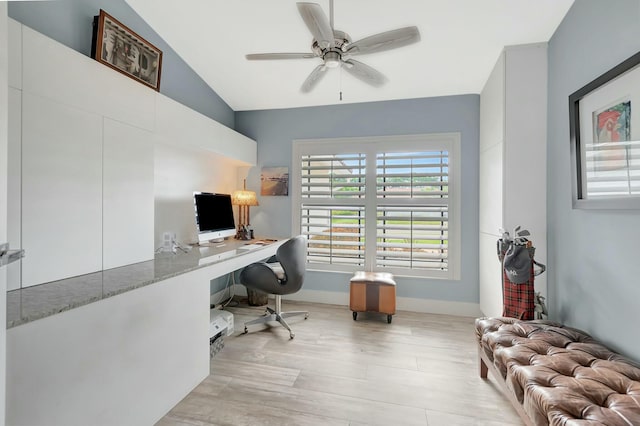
{"points": [[332, 56]]}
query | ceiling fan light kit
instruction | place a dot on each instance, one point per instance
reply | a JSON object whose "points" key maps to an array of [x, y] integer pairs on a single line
{"points": [[335, 48]]}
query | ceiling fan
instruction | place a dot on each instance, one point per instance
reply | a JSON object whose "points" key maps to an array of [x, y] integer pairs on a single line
{"points": [[335, 47]]}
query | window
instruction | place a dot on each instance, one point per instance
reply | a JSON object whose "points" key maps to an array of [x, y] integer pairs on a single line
{"points": [[386, 203]]}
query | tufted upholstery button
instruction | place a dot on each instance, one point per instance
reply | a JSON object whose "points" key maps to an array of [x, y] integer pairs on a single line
{"points": [[561, 375]]}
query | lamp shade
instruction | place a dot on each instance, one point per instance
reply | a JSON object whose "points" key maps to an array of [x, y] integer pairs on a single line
{"points": [[244, 198]]}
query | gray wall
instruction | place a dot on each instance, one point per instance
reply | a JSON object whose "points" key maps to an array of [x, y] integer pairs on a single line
{"points": [[594, 256], [70, 23], [274, 130]]}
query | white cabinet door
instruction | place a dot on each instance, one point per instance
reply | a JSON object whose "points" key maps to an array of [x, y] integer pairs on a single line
{"points": [[61, 191], [3, 198], [55, 71], [14, 169], [128, 195], [14, 50]]}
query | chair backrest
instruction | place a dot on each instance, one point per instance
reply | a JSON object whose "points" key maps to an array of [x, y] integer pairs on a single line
{"points": [[292, 256]]}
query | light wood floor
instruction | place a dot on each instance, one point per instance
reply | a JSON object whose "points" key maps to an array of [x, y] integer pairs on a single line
{"points": [[419, 370]]}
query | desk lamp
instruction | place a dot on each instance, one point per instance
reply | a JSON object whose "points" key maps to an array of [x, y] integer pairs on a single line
{"points": [[243, 199]]}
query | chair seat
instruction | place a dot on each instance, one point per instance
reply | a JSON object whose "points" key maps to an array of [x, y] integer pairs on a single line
{"points": [[277, 269]]}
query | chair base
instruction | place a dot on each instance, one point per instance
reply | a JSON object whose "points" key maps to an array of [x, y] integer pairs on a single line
{"points": [[276, 315]]}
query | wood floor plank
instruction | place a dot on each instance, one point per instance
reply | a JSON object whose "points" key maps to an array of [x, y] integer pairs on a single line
{"points": [[324, 402], [419, 370]]}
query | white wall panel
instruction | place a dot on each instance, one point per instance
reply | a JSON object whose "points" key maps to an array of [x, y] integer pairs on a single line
{"points": [[124, 360], [490, 277], [526, 152], [492, 107], [3, 198], [128, 195], [15, 54], [512, 172], [491, 189], [525, 155], [76, 80], [14, 187], [175, 123], [61, 191]]}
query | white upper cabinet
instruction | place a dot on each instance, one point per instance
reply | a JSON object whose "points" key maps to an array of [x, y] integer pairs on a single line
{"points": [[83, 136], [179, 125], [128, 214], [57, 72], [61, 191], [15, 54], [14, 186]]}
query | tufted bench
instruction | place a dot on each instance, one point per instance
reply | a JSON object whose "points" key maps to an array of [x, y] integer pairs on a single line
{"points": [[556, 375]]}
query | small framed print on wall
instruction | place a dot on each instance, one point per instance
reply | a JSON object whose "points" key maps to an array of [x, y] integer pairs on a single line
{"points": [[117, 47], [605, 139], [274, 181]]}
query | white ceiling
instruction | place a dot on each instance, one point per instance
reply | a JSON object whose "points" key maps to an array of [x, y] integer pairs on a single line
{"points": [[461, 41]]}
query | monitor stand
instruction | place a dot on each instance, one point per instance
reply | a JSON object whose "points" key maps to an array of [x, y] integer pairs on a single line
{"points": [[216, 242]]}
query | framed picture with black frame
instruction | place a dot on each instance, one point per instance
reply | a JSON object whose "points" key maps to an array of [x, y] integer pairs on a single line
{"points": [[605, 139], [120, 48]]}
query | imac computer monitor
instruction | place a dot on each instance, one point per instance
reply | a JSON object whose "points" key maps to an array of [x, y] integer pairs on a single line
{"points": [[214, 216]]}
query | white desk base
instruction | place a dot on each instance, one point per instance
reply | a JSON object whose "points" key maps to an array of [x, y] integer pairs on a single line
{"points": [[124, 360]]}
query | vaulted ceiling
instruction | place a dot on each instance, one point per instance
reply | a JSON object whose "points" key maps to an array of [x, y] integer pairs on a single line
{"points": [[460, 43]]}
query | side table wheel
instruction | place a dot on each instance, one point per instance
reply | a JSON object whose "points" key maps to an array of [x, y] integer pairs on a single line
{"points": [[355, 316], [389, 319], [245, 330]]}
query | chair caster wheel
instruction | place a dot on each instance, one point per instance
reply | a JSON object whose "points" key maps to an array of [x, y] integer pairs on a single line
{"points": [[355, 316], [291, 336], [245, 330], [389, 319], [306, 316]]}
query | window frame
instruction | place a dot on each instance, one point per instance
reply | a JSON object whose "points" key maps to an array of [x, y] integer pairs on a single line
{"points": [[371, 146]]}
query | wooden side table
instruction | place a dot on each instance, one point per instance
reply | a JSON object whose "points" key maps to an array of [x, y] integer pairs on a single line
{"points": [[372, 292]]}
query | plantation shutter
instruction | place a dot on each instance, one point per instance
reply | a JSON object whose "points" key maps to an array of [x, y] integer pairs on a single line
{"points": [[412, 223], [332, 212], [388, 203]]}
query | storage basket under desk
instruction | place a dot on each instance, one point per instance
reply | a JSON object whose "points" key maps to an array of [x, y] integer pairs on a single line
{"points": [[372, 292]]}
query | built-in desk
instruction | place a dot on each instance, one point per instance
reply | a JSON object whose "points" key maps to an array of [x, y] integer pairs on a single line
{"points": [[32, 303], [120, 346]]}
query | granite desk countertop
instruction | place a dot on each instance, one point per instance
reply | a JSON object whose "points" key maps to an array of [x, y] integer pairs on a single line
{"points": [[31, 303]]}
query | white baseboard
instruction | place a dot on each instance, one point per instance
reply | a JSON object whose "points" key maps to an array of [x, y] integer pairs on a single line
{"points": [[412, 304], [444, 307]]}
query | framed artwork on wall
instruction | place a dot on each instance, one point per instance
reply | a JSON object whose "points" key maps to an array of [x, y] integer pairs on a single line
{"points": [[274, 181], [118, 47], [605, 139]]}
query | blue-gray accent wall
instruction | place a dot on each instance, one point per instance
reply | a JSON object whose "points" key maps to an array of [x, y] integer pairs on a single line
{"points": [[70, 23], [594, 256], [274, 130]]}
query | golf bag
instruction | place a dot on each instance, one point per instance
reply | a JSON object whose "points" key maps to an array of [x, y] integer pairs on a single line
{"points": [[519, 269]]}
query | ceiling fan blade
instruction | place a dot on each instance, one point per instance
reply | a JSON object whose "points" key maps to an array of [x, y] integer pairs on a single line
{"points": [[313, 79], [317, 23], [384, 41], [267, 56], [364, 72]]}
